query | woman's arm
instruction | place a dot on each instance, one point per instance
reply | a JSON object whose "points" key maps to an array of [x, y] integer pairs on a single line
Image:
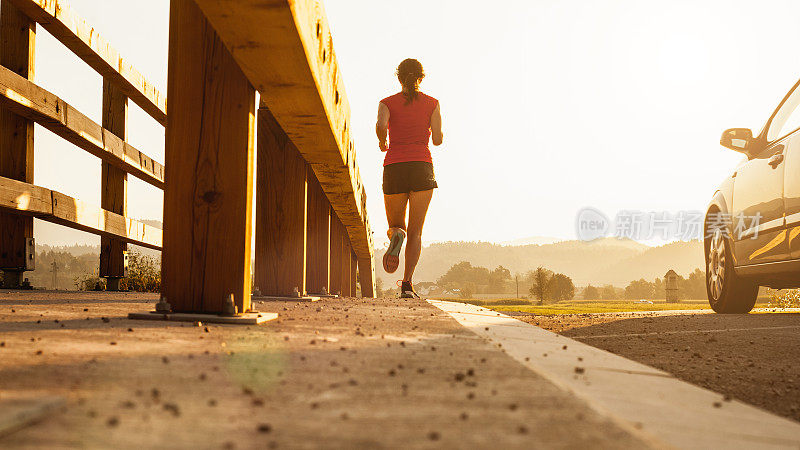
{"points": [[382, 125], [436, 126]]}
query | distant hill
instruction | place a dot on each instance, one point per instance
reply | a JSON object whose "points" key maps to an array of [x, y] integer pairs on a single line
{"points": [[74, 250], [81, 250], [533, 240], [683, 257], [78, 243], [603, 261]]}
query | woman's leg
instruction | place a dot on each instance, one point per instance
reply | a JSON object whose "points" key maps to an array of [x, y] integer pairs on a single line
{"points": [[396, 209], [418, 208], [396, 217]]}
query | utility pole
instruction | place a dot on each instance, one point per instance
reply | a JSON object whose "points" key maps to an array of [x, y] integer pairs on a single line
{"points": [[516, 278]]}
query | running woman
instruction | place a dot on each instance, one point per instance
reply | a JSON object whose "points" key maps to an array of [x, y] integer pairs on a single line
{"points": [[411, 119]]}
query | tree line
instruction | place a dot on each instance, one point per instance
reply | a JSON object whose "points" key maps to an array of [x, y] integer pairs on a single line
{"points": [[542, 284], [56, 269], [691, 287], [545, 285]]}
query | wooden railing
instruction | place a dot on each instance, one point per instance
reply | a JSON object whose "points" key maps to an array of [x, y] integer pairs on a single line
{"points": [[312, 231], [25, 103]]}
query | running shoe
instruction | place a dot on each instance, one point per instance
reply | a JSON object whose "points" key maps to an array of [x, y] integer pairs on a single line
{"points": [[407, 290], [391, 259]]}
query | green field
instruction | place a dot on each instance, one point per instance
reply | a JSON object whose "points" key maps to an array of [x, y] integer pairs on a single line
{"points": [[590, 306]]}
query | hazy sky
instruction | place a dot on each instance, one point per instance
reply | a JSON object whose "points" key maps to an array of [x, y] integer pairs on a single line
{"points": [[548, 105]]}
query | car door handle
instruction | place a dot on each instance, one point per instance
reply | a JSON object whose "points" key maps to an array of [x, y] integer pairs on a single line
{"points": [[775, 160]]}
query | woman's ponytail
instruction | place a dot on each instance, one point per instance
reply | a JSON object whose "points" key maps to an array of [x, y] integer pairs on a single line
{"points": [[410, 74]]}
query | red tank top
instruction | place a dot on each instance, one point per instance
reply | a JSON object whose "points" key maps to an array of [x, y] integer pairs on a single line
{"points": [[409, 128]]}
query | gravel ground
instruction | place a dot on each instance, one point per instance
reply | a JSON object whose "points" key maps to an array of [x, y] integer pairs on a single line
{"points": [[342, 373], [754, 358]]}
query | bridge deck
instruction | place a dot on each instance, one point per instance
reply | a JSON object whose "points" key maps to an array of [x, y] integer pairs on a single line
{"points": [[335, 373]]}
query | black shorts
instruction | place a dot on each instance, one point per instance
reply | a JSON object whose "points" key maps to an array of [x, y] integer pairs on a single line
{"points": [[405, 177]]}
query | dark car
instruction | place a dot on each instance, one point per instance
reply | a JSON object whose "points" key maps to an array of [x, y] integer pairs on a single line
{"points": [[752, 226]]}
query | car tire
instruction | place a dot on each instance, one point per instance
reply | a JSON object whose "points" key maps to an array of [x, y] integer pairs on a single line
{"points": [[727, 292]]}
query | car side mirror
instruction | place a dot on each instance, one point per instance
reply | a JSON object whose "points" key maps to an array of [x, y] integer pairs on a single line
{"points": [[738, 139]]}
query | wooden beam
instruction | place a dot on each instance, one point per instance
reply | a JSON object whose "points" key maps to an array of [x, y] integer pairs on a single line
{"points": [[318, 242], [87, 217], [34, 103], [281, 212], [113, 185], [285, 49], [209, 154], [17, 52], [35, 201], [24, 198], [82, 39], [336, 255]]}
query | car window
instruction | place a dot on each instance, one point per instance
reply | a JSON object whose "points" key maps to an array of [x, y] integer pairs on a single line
{"points": [[787, 119]]}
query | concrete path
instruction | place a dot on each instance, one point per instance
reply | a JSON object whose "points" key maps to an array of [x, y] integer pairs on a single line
{"points": [[754, 358], [343, 373], [635, 395]]}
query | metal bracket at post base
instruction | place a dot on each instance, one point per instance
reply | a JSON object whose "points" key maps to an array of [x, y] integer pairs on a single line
{"points": [[163, 306], [14, 277], [294, 297], [229, 307], [113, 284], [325, 294], [164, 312]]}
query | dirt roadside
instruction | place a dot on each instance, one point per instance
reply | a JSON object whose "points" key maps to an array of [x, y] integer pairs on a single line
{"points": [[336, 374], [754, 358]]}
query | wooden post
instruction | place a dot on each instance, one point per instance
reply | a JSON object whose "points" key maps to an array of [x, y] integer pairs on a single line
{"points": [[366, 278], [318, 242], [336, 255], [209, 165], [114, 186], [280, 211], [17, 51], [347, 287], [353, 274]]}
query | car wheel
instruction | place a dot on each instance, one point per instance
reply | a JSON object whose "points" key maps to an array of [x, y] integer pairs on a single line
{"points": [[727, 293]]}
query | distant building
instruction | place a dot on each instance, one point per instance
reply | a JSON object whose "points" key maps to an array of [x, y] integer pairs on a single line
{"points": [[671, 286]]}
